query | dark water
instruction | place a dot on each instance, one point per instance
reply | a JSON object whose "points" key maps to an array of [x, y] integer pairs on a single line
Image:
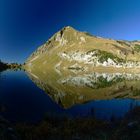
{"points": [[22, 100]]}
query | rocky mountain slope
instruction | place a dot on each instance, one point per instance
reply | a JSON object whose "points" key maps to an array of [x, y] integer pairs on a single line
{"points": [[71, 50], [75, 67]]}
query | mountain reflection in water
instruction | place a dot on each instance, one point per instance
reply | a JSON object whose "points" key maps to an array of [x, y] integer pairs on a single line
{"points": [[68, 90], [98, 94]]}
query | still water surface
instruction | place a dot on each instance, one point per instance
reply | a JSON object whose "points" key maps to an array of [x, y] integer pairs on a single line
{"points": [[22, 101]]}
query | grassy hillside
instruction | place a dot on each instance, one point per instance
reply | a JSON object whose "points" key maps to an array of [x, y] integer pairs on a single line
{"points": [[70, 47]]}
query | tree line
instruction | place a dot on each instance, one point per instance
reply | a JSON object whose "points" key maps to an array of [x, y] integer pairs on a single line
{"points": [[4, 66]]}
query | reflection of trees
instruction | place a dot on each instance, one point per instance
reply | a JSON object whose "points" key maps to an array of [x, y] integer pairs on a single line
{"points": [[3, 66]]}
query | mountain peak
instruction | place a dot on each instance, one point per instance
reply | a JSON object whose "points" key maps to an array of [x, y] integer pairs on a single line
{"points": [[74, 49], [67, 29], [65, 35]]}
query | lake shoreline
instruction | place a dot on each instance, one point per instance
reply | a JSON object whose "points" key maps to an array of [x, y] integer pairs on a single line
{"points": [[79, 128]]}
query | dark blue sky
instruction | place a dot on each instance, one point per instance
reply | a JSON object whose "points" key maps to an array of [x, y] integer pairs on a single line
{"points": [[26, 24]]}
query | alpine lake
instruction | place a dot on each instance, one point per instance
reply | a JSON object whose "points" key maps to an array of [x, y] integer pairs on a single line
{"points": [[29, 97]]}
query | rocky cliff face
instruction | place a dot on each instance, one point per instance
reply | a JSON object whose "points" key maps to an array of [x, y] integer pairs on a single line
{"points": [[70, 50]]}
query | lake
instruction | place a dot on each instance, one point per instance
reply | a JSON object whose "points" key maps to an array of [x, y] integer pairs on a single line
{"points": [[26, 97]]}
